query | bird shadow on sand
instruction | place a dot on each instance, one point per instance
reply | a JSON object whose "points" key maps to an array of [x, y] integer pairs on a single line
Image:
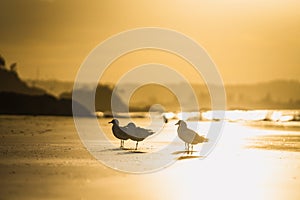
{"points": [[115, 149], [183, 152], [188, 157], [131, 151]]}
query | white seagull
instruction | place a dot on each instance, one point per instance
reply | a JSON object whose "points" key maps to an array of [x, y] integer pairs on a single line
{"points": [[189, 136], [137, 134], [119, 132]]}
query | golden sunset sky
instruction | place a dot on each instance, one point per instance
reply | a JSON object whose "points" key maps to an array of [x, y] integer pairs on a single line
{"points": [[250, 41]]}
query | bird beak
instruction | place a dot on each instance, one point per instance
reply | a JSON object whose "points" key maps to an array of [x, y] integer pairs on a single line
{"points": [[110, 122], [177, 123]]}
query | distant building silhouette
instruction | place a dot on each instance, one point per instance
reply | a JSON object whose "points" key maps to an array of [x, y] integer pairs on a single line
{"points": [[13, 67]]}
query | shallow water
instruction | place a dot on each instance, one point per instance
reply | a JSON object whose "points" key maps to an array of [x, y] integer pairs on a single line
{"points": [[43, 157]]}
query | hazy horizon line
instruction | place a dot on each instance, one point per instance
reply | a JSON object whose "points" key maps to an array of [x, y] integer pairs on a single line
{"points": [[169, 82]]}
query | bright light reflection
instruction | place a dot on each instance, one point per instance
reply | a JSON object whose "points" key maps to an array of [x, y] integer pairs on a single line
{"points": [[232, 171]]}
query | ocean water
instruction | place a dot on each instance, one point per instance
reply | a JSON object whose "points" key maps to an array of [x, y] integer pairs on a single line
{"points": [[264, 129]]}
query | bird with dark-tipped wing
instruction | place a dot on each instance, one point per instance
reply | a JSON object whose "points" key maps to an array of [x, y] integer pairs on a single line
{"points": [[119, 132], [189, 136]]}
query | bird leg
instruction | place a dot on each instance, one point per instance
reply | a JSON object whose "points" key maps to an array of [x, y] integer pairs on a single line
{"points": [[136, 146], [187, 147], [122, 144]]}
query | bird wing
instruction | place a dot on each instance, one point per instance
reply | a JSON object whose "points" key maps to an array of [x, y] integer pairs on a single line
{"points": [[124, 128], [185, 134], [190, 136], [199, 139], [138, 132], [120, 132], [143, 133]]}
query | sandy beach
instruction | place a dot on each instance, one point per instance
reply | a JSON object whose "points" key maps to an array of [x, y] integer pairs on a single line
{"points": [[43, 158], [223, 75]]}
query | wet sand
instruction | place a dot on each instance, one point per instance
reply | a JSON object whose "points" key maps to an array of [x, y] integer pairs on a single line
{"points": [[43, 158]]}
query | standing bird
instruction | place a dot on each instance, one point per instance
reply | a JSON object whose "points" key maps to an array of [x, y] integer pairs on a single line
{"points": [[119, 132], [165, 119], [189, 136], [137, 134]]}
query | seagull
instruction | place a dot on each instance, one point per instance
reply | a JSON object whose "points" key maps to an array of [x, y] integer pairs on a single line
{"points": [[189, 136], [165, 119], [137, 134], [119, 132]]}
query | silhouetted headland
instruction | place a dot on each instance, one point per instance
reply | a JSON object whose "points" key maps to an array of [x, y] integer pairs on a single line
{"points": [[23, 104], [17, 98], [10, 82]]}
